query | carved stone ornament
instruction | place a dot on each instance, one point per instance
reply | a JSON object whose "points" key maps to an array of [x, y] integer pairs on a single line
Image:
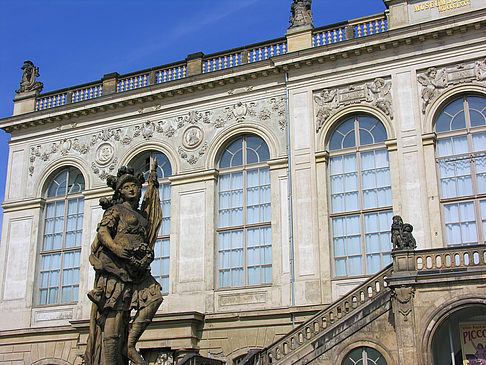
{"points": [[193, 158], [28, 82], [301, 13], [434, 81], [165, 358], [376, 94], [403, 300], [100, 149], [105, 153], [192, 137]]}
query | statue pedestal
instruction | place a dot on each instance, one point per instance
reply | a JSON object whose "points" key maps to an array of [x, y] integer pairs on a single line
{"points": [[403, 262], [299, 38], [25, 102]]}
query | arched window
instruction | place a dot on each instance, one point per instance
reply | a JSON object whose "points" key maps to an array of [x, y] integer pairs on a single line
{"points": [[361, 200], [142, 164], [364, 356], [61, 239], [461, 158], [244, 227]]}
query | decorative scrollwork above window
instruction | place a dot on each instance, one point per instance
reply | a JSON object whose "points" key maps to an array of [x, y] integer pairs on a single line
{"points": [[376, 93], [189, 133], [434, 81]]}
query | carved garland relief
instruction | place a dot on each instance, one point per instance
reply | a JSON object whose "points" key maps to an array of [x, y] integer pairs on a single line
{"points": [[190, 132], [376, 93], [434, 81]]}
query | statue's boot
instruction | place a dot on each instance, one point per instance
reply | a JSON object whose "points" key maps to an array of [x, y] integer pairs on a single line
{"points": [[111, 351], [133, 335]]}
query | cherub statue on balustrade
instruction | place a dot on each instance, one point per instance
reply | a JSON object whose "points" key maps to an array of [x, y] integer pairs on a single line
{"points": [[396, 232], [28, 82], [407, 238], [401, 235]]}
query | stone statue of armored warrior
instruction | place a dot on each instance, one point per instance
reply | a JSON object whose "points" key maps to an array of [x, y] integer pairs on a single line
{"points": [[301, 13], [121, 255], [28, 82]]}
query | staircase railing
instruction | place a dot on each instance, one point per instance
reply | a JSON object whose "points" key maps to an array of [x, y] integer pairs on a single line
{"points": [[324, 320]]}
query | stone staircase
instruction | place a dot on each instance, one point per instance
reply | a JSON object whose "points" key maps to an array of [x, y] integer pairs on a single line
{"points": [[330, 326]]}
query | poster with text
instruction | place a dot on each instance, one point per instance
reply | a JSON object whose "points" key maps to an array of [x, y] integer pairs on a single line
{"points": [[473, 343]]}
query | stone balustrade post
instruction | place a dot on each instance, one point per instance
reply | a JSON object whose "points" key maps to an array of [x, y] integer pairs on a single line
{"points": [[25, 102], [244, 56], [349, 32], [69, 97], [398, 13], [299, 38], [404, 262], [110, 82], [194, 64], [152, 78]]}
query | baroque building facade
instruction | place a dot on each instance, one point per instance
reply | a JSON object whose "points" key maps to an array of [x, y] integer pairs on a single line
{"points": [[281, 166]]}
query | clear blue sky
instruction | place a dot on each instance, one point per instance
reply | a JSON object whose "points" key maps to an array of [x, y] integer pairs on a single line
{"points": [[78, 41]]}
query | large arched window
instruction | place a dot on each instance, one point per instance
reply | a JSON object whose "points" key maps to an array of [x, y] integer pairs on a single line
{"points": [[161, 264], [61, 239], [364, 356], [361, 200], [244, 227], [461, 158]]}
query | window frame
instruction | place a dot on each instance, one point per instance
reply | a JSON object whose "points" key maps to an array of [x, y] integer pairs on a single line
{"points": [[163, 182], [361, 212], [79, 197], [365, 353], [475, 197], [244, 168]]}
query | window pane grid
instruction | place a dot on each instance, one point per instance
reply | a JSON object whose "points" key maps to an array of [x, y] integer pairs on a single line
{"points": [[461, 161], [59, 277], [460, 223], [160, 267], [60, 254], [244, 214], [360, 195]]}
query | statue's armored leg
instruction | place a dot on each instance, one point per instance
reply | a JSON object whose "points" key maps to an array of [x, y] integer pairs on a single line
{"points": [[142, 319], [112, 349]]}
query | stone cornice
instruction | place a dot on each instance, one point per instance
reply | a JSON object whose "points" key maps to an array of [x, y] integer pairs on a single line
{"points": [[209, 175], [322, 156], [9, 207], [392, 39], [160, 318], [278, 163]]}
